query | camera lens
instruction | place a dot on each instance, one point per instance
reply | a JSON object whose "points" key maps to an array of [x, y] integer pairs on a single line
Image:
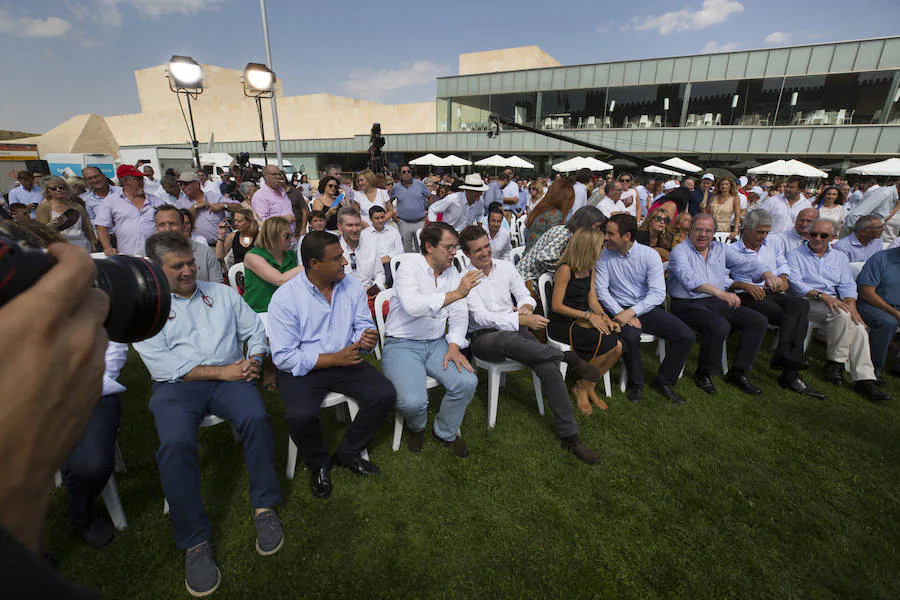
{"points": [[139, 299]]}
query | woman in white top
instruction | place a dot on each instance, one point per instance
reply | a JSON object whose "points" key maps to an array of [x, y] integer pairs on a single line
{"points": [[831, 205], [368, 195], [59, 199]]}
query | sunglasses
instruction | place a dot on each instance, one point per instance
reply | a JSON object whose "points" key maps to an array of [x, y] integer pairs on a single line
{"points": [[662, 219], [405, 172], [330, 185], [625, 180], [822, 235], [55, 188]]}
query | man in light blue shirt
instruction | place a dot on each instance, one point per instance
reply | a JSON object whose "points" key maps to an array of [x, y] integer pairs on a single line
{"points": [[796, 237], [865, 240], [199, 368], [411, 198], [99, 189], [630, 284], [822, 275], [319, 324], [698, 284], [27, 192], [877, 200]]}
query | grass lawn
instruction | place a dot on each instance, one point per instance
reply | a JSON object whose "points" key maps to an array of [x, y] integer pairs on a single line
{"points": [[776, 496]]}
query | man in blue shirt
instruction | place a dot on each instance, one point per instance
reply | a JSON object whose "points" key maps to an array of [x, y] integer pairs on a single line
{"points": [[822, 275], [411, 198], [698, 287], [789, 313], [199, 368], [879, 305], [319, 325], [27, 192], [865, 240], [631, 286]]}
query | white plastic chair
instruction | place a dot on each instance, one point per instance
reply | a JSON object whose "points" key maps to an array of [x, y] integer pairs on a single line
{"points": [[383, 297], [545, 281], [646, 338], [644, 121], [495, 376], [607, 122], [516, 255], [818, 117], [691, 120], [332, 399], [110, 492], [233, 273], [722, 236], [520, 225]]}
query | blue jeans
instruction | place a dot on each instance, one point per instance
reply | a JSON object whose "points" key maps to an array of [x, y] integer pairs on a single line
{"points": [[178, 409], [88, 467], [406, 362], [882, 327]]}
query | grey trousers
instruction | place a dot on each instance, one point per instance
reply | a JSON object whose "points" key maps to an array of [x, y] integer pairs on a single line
{"points": [[541, 358], [408, 234]]}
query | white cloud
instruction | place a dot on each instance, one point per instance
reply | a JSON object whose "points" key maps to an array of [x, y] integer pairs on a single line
{"points": [[711, 47], [778, 37], [50, 27], [109, 14], [370, 84], [605, 27], [156, 8], [712, 13]]}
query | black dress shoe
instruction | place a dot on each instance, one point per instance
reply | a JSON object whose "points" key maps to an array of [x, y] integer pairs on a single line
{"points": [[834, 372], [357, 465], [797, 385], [634, 393], [704, 382], [457, 446], [415, 441], [577, 447], [740, 381], [320, 483], [783, 363], [879, 380], [668, 393], [871, 391], [99, 533]]}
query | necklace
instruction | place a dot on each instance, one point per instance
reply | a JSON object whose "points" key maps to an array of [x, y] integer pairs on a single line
{"points": [[246, 239]]}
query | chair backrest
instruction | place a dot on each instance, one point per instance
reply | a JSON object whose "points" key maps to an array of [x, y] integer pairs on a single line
{"points": [[721, 236], [384, 296], [98, 254], [708, 119], [516, 255], [233, 280], [522, 230], [545, 289], [607, 121], [855, 268], [592, 121], [395, 264], [840, 116], [691, 120]]}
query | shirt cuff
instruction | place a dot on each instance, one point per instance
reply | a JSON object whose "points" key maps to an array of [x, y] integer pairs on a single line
{"points": [[459, 340]]}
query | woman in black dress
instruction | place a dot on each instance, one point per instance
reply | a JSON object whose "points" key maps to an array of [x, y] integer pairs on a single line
{"points": [[577, 318], [239, 240]]}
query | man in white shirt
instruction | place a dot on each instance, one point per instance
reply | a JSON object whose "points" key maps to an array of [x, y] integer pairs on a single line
{"points": [[878, 201], [612, 203], [510, 193], [501, 244], [151, 185], [785, 207], [582, 178], [387, 240], [363, 262], [454, 208], [425, 332], [207, 185], [499, 329]]}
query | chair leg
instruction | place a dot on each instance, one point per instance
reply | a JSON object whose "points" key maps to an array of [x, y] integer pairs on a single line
{"points": [[661, 351], [607, 386], [563, 368], [165, 506], [538, 392], [120, 460], [776, 339], [493, 396], [113, 504], [724, 359], [623, 378], [398, 431], [809, 335], [353, 408], [292, 458], [57, 479]]}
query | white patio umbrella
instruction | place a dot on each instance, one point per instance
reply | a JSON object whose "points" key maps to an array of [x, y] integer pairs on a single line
{"points": [[491, 161], [595, 164], [518, 163], [572, 164], [580, 162], [886, 168], [788, 167], [454, 161], [676, 162], [429, 160]]}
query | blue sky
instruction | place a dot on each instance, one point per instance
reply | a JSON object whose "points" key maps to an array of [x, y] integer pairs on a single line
{"points": [[67, 57]]}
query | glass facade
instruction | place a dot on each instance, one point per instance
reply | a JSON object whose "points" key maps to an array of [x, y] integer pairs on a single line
{"points": [[470, 113]]}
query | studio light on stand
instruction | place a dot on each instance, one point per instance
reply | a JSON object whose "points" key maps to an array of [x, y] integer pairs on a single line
{"points": [[259, 82], [185, 76]]}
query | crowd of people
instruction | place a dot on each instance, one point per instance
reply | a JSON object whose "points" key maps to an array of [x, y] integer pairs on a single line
{"points": [[603, 261]]}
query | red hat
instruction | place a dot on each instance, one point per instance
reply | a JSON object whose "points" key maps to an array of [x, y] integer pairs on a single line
{"points": [[128, 171]]}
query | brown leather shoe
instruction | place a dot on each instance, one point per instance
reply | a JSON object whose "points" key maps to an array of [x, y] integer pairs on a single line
{"points": [[457, 446], [415, 440], [574, 445]]}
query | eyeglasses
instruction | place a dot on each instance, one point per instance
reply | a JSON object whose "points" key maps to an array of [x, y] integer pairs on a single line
{"points": [[407, 172], [665, 220], [532, 189], [819, 234], [450, 248]]}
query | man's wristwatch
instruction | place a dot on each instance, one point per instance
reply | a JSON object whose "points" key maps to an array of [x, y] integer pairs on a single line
{"points": [[818, 296], [258, 359]]}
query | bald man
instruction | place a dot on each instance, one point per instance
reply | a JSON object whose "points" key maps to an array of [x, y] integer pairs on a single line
{"points": [[270, 200]]}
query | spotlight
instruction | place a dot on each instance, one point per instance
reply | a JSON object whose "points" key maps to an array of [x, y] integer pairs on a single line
{"points": [[185, 73], [258, 80]]}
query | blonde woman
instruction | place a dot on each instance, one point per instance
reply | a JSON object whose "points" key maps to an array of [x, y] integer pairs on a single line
{"points": [[58, 199], [535, 194], [241, 240], [657, 231], [724, 206], [269, 264], [576, 316], [368, 194]]}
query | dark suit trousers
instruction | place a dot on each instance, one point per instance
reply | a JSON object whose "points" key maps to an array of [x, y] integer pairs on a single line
{"points": [[679, 341], [713, 320], [790, 314]]}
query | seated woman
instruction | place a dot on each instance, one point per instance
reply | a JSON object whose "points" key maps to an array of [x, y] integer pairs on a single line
{"points": [[576, 316], [327, 200], [241, 239], [681, 228], [831, 205], [657, 232], [59, 199], [550, 212], [269, 264]]}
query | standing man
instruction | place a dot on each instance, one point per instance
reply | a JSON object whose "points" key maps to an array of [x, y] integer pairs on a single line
{"points": [[865, 240], [630, 284], [26, 192], [130, 211], [822, 275], [582, 178], [270, 200], [698, 273], [789, 313], [198, 366], [877, 200], [499, 329], [455, 207], [410, 197], [386, 239], [208, 209], [785, 207], [319, 325], [169, 218], [98, 190], [700, 197], [510, 193], [879, 305], [151, 185], [425, 333], [208, 185], [501, 243], [494, 193]]}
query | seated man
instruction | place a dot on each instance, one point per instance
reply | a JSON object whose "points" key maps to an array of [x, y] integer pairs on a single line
{"points": [[198, 368], [169, 218], [698, 287], [430, 295], [361, 260], [865, 240], [823, 275], [630, 284], [879, 305], [499, 329], [319, 323], [501, 244], [789, 313], [387, 240], [796, 237]]}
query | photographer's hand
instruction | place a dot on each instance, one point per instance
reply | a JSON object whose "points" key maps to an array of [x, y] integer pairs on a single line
{"points": [[50, 384]]}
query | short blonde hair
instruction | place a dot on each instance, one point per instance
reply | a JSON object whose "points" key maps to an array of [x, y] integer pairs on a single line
{"points": [[46, 182], [273, 229], [540, 188], [583, 250], [369, 176]]}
